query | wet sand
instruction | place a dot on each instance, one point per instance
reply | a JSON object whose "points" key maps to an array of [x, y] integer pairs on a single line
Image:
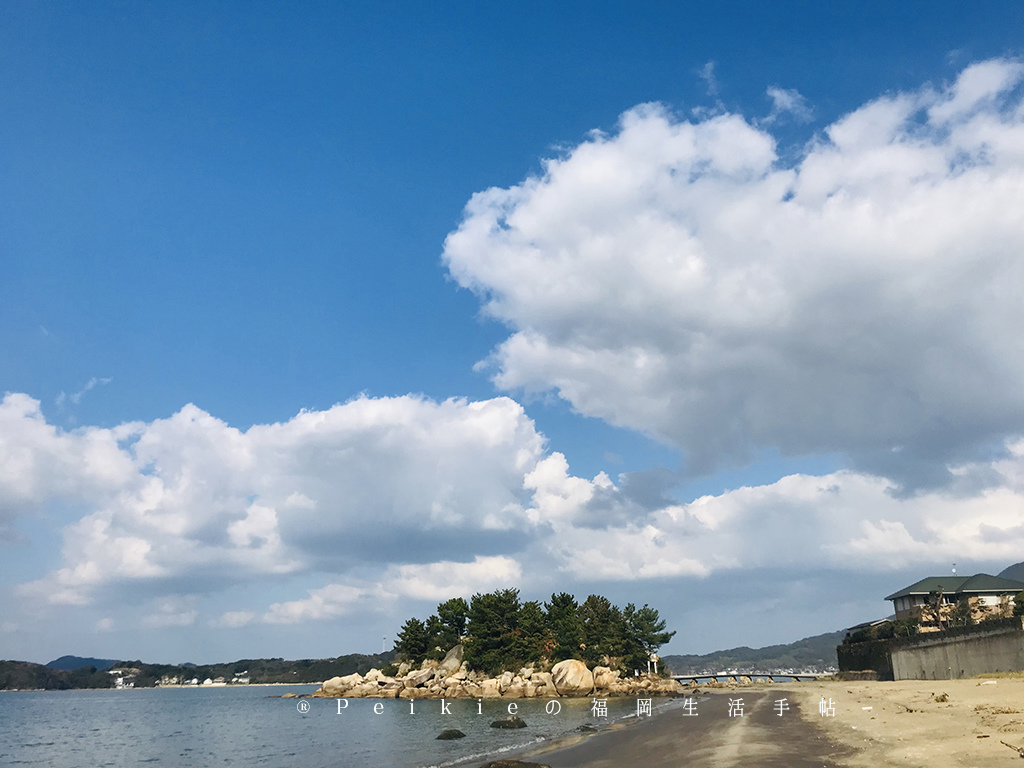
{"points": [[759, 738]]}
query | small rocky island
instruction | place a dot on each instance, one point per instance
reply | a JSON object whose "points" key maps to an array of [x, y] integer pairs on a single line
{"points": [[451, 679], [495, 647]]}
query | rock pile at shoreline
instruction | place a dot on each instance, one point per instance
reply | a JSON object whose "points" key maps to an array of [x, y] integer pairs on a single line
{"points": [[451, 679]]}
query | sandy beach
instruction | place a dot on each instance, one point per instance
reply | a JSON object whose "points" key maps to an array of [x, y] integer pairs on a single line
{"points": [[924, 722], [908, 724]]}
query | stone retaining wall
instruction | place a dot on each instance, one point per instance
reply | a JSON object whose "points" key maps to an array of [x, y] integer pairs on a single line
{"points": [[992, 646]]}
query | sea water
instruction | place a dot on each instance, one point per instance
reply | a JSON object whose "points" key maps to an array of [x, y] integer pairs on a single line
{"points": [[249, 725]]}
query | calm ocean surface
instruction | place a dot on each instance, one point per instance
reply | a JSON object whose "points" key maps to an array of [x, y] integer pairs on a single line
{"points": [[240, 726]]}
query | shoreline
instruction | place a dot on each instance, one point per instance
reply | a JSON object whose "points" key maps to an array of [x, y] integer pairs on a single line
{"points": [[153, 687]]}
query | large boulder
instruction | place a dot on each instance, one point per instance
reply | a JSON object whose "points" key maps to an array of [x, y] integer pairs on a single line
{"points": [[373, 675], [622, 686], [666, 685], [504, 681], [572, 678], [544, 685], [418, 678], [509, 721], [336, 687], [489, 689], [604, 678], [413, 693], [452, 660]]}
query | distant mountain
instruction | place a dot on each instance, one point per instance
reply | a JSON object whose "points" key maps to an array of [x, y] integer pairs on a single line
{"points": [[818, 652], [78, 662], [1015, 572]]}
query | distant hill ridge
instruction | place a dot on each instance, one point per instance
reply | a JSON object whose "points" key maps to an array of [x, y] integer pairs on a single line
{"points": [[1015, 572], [817, 652], [69, 663], [84, 672]]}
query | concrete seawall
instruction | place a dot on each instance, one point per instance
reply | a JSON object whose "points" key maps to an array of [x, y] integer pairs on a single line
{"points": [[996, 646]]}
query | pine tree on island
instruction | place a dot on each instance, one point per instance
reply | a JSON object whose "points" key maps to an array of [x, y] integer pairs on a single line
{"points": [[499, 633]]}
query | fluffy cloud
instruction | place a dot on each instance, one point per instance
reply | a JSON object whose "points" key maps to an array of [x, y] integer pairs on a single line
{"points": [[328, 602], [843, 521], [443, 580], [429, 581], [39, 461], [190, 504], [414, 500], [677, 278]]}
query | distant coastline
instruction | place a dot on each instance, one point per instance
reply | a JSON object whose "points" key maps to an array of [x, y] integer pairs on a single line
{"points": [[806, 654], [23, 675]]}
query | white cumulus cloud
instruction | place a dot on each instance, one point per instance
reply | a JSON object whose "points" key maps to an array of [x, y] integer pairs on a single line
{"points": [[190, 504], [415, 500], [678, 278], [447, 579]]}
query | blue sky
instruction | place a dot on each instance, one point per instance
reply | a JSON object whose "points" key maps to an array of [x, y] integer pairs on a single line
{"points": [[215, 218]]}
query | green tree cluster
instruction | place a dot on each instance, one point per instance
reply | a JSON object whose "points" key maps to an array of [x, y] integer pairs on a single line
{"points": [[500, 632], [431, 639]]}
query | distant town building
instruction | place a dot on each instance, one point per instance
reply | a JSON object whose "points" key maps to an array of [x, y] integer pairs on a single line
{"points": [[123, 678]]}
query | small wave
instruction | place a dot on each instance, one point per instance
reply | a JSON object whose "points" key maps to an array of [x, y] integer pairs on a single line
{"points": [[488, 753]]}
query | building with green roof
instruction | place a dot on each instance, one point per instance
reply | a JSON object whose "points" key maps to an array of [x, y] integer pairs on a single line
{"points": [[985, 594]]}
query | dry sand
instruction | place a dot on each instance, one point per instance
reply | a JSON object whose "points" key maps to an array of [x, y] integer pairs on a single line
{"points": [[935, 723], [907, 724]]}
